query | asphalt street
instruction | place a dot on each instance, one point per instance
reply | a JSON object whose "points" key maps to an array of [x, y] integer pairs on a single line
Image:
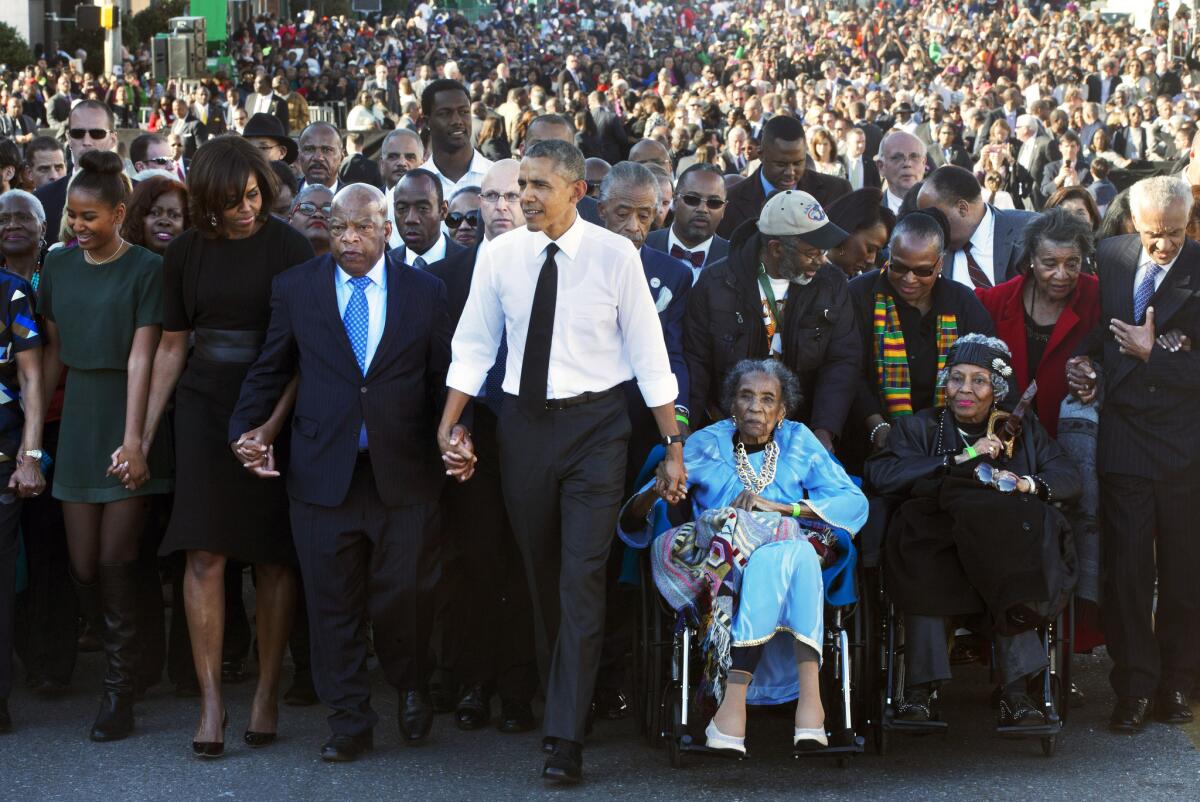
{"points": [[49, 757]]}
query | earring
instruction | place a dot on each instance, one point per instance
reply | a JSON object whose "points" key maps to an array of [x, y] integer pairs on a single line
{"points": [[212, 219]]}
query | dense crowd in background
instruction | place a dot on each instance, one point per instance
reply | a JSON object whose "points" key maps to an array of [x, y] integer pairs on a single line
{"points": [[843, 178]]}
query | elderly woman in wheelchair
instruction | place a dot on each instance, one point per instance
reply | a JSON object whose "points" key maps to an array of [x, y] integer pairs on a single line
{"points": [[770, 507], [976, 533]]}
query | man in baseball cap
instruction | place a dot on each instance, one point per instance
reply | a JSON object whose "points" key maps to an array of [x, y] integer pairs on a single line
{"points": [[786, 302]]}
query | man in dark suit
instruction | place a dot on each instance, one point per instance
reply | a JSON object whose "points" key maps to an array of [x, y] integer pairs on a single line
{"points": [[691, 237], [88, 118], [571, 78], [982, 249], [489, 638], [1166, 81], [860, 171], [420, 209], [385, 83], [935, 112], [858, 118], [1069, 171], [187, 126], [369, 338], [15, 124], [1147, 454], [263, 100], [784, 166], [614, 139], [948, 150], [1101, 85]]}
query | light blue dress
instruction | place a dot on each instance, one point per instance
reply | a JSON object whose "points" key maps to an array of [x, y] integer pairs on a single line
{"points": [[782, 589]]}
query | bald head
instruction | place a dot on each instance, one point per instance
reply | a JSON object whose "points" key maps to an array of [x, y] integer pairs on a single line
{"points": [[651, 151], [358, 228], [901, 161], [499, 202]]}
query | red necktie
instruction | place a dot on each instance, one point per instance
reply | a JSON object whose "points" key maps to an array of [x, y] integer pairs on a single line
{"points": [[978, 277], [695, 257]]}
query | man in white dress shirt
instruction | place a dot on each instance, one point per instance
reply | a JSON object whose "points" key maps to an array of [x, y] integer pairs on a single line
{"points": [[573, 302]]}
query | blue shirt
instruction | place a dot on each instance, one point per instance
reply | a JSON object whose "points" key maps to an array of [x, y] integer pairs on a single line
{"points": [[376, 293], [766, 185]]}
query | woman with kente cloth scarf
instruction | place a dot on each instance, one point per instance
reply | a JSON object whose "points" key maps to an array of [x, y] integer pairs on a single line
{"points": [[908, 316], [977, 535], [770, 508]]}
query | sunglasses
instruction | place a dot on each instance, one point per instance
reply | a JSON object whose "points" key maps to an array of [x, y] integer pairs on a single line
{"points": [[901, 270], [696, 200], [161, 161], [309, 208], [1004, 482], [456, 219], [94, 133]]}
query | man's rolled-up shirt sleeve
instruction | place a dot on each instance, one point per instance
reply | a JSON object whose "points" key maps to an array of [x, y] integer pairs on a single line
{"points": [[477, 339]]}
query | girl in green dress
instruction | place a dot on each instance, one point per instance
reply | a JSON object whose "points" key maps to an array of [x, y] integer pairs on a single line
{"points": [[102, 302]]}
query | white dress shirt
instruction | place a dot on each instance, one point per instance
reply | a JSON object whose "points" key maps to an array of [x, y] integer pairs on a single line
{"points": [[893, 202], [672, 241], [473, 177], [1144, 264], [436, 252], [981, 250], [854, 172], [606, 330], [376, 293]]}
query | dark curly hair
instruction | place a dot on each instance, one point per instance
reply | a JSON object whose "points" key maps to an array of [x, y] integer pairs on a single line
{"points": [[142, 200], [788, 383]]}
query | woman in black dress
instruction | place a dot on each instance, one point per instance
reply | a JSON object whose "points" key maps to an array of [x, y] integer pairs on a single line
{"points": [[217, 287]]}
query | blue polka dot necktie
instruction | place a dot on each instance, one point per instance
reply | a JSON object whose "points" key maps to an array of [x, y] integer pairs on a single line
{"points": [[357, 319]]}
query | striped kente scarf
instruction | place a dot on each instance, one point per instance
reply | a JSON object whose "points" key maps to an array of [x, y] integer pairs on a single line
{"points": [[891, 358]]}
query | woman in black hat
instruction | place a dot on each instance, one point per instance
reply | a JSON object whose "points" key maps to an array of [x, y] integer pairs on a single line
{"points": [[976, 536], [217, 286]]}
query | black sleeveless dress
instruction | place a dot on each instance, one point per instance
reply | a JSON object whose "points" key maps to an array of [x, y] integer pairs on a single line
{"points": [[223, 287]]}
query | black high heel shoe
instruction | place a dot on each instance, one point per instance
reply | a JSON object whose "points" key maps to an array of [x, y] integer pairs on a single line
{"points": [[210, 749], [257, 740]]}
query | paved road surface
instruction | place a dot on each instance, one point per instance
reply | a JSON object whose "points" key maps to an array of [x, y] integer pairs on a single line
{"points": [[50, 758]]}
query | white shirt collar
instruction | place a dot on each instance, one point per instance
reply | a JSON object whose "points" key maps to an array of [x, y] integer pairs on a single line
{"points": [[1144, 262], [479, 165], [376, 273], [436, 253], [568, 242], [673, 240], [894, 202], [981, 240]]}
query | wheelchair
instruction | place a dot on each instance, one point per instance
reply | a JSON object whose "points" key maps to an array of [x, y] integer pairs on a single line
{"points": [[888, 667], [668, 668]]}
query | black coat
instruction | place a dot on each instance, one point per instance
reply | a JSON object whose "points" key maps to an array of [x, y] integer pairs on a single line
{"points": [[724, 325], [956, 546], [612, 137], [745, 201]]}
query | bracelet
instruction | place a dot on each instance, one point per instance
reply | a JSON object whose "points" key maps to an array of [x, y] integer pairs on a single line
{"points": [[971, 453], [874, 431], [796, 509], [680, 418]]}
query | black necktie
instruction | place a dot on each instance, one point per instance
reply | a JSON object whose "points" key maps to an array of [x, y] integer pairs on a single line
{"points": [[535, 366]]}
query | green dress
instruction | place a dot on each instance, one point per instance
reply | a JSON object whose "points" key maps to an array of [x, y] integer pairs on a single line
{"points": [[97, 309]]}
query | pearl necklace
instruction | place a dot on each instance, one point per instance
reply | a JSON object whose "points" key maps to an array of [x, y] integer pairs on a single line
{"points": [[752, 481], [120, 249]]}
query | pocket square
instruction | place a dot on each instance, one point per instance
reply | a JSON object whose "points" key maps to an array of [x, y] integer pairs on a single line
{"points": [[664, 299]]}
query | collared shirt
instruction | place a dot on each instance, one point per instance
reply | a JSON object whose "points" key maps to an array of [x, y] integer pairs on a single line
{"points": [[1144, 264], [854, 172], [436, 252], [376, 293], [981, 251], [606, 329], [893, 202], [672, 241], [767, 186], [473, 177]]}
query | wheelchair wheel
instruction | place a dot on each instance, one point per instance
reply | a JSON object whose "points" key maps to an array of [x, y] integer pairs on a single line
{"points": [[1049, 745], [673, 728]]}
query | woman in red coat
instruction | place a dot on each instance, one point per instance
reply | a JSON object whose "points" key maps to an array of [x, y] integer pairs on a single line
{"points": [[1044, 313]]}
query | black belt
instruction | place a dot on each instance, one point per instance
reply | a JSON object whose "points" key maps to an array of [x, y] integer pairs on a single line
{"points": [[227, 345], [557, 404]]}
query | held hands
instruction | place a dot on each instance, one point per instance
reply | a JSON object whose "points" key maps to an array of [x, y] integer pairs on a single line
{"points": [[256, 451], [129, 466], [458, 452], [670, 477], [1081, 378], [1136, 341], [27, 479], [1174, 341]]}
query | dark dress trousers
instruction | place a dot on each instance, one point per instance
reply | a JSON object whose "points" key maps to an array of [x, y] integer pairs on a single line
{"points": [[1148, 458], [365, 523]]}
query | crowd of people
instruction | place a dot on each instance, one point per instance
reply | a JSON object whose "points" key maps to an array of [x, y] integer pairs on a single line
{"points": [[745, 264]]}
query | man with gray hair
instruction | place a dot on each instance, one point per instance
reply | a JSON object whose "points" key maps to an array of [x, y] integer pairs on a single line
{"points": [[364, 476], [572, 303], [1147, 453], [1029, 133]]}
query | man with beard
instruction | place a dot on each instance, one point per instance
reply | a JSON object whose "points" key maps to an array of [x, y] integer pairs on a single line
{"points": [[797, 306], [310, 216], [321, 155], [692, 236], [419, 208]]}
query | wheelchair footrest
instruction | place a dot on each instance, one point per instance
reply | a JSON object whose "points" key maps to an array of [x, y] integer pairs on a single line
{"points": [[836, 748], [1040, 731], [916, 726], [686, 744]]}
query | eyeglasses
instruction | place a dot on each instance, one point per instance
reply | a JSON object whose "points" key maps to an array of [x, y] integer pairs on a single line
{"points": [[161, 161], [456, 219], [899, 271], [309, 208], [905, 158], [1003, 481], [696, 200], [492, 196], [94, 133]]}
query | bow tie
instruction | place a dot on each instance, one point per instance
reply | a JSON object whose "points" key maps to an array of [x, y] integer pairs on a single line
{"points": [[695, 257]]}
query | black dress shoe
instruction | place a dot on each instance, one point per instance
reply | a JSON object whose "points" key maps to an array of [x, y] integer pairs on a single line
{"points": [[473, 709], [610, 704], [1018, 710], [565, 763], [515, 717], [346, 748], [5, 717], [1129, 714], [257, 740], [442, 691], [416, 717], [302, 693], [1172, 707], [917, 705]]}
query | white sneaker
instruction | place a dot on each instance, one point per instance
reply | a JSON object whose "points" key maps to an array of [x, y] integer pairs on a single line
{"points": [[715, 739], [809, 739]]}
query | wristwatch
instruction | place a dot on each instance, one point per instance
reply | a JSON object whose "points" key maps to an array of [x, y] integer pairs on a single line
{"points": [[34, 454], [671, 439]]}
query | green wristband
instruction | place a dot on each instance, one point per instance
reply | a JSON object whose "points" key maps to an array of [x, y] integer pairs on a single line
{"points": [[681, 419], [971, 453], [796, 509]]}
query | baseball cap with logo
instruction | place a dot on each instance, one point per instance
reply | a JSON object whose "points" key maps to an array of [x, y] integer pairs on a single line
{"points": [[793, 213]]}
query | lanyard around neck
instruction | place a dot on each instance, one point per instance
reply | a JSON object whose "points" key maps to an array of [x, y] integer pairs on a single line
{"points": [[765, 282]]}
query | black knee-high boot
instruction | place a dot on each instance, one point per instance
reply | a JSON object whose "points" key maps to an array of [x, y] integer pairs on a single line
{"points": [[118, 601]]}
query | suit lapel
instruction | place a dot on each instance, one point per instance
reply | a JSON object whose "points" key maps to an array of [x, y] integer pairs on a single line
{"points": [[1002, 243], [1177, 287], [1125, 276], [397, 312], [325, 289]]}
